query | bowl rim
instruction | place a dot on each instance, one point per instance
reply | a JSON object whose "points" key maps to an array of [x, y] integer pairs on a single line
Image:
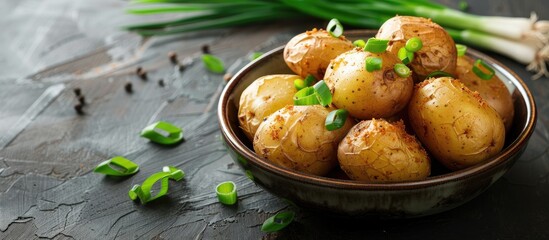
{"points": [[513, 148]]}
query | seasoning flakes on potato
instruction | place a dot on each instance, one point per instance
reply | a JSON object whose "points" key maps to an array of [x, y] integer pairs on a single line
{"points": [[264, 96], [295, 137], [455, 124], [311, 52], [377, 151]]}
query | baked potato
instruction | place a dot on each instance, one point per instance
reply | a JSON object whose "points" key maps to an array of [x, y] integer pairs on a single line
{"points": [[295, 137], [438, 52], [492, 91], [454, 123], [366, 95], [377, 151], [264, 96], [311, 52]]}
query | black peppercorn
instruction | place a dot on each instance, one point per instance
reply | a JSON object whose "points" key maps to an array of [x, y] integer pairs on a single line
{"points": [[128, 87], [77, 91], [173, 57], [161, 82], [206, 49], [78, 108]]}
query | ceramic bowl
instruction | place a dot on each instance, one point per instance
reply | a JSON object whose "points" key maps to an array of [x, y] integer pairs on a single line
{"points": [[440, 192]]}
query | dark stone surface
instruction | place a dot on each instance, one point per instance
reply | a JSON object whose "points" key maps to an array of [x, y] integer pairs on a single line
{"points": [[47, 151]]}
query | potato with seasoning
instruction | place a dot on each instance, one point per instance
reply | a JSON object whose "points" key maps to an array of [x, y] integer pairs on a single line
{"points": [[311, 52], [492, 91], [438, 52], [377, 94], [455, 124], [377, 151], [295, 137], [264, 96]]}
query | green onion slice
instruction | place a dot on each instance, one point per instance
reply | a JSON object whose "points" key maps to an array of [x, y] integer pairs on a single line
{"points": [[373, 63], [310, 79], [299, 84], [117, 166], [336, 119], [278, 221], [213, 63], [256, 55], [461, 49], [163, 133], [375, 45], [323, 93], [359, 43], [305, 96], [226, 192], [335, 28], [144, 191], [439, 74], [477, 69], [402, 70], [414, 44], [405, 56]]}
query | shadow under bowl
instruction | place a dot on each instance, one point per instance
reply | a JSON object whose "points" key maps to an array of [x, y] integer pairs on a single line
{"points": [[439, 192]]}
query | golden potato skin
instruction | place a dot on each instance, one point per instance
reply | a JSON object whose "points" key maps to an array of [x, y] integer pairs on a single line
{"points": [[377, 151], [438, 52], [295, 137], [264, 96], [366, 95], [311, 52], [492, 91], [455, 124]]}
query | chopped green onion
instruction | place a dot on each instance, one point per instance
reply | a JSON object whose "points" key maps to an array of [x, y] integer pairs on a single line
{"points": [[299, 84], [402, 70], [323, 93], [414, 44], [226, 192], [278, 221], [143, 191], [373, 63], [480, 73], [439, 74], [335, 28], [405, 56], [461, 49], [305, 96], [163, 133], [336, 119], [117, 166], [256, 55], [359, 43], [213, 63], [375, 45], [310, 79]]}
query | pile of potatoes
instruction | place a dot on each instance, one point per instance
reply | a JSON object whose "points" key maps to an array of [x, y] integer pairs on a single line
{"points": [[396, 125]]}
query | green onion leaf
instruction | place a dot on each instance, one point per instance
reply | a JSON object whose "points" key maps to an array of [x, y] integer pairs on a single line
{"points": [[461, 49], [163, 133], [144, 191], [414, 44], [405, 56], [226, 192], [439, 74], [323, 93], [299, 84], [402, 70], [310, 79], [334, 28], [336, 119], [477, 69], [305, 96], [213, 63], [373, 63], [278, 221], [117, 166], [375, 45], [359, 43]]}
